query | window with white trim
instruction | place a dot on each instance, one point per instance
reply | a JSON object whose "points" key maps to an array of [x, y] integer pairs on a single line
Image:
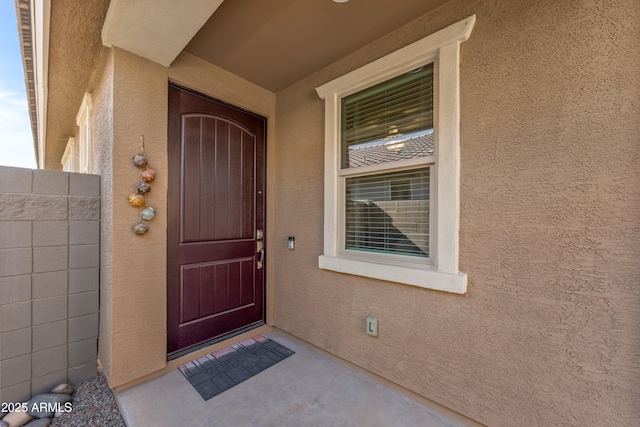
{"points": [[84, 135], [385, 130], [392, 165], [68, 164]]}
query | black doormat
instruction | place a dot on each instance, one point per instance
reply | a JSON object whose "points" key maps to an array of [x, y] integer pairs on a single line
{"points": [[216, 372]]}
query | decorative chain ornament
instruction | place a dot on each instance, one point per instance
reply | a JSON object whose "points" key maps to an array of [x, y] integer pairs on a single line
{"points": [[142, 187]]}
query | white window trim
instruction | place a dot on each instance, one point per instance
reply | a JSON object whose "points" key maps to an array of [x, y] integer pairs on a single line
{"points": [[82, 120], [69, 156], [443, 49]]}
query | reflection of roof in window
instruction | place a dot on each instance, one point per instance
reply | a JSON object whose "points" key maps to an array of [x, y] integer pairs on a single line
{"points": [[383, 151]]}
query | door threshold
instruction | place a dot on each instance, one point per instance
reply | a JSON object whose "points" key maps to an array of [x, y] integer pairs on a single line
{"points": [[213, 341], [235, 337]]}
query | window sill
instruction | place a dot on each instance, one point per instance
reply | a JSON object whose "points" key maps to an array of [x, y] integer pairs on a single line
{"points": [[422, 277]]}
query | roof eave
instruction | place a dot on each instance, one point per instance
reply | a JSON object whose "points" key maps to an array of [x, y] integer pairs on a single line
{"points": [[25, 34]]}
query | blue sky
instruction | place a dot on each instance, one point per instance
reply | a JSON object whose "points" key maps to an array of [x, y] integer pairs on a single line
{"points": [[16, 142]]}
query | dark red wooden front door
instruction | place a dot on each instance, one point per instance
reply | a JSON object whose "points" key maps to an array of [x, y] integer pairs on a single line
{"points": [[216, 207]]}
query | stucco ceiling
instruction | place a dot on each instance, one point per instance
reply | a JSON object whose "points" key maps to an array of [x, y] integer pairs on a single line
{"points": [[275, 43]]}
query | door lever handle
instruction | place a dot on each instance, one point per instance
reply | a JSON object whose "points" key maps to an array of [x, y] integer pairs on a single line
{"points": [[260, 250]]}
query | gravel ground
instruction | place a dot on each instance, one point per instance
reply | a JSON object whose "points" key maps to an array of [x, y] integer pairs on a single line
{"points": [[93, 405]]}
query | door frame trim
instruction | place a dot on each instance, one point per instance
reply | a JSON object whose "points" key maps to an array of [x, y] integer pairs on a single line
{"points": [[266, 315]]}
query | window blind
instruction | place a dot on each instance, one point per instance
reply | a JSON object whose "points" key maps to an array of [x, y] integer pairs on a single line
{"points": [[400, 106], [388, 212]]}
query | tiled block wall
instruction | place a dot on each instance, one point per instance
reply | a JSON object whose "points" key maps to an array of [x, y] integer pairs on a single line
{"points": [[49, 278]]}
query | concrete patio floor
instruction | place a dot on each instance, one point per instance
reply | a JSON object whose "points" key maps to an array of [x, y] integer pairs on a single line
{"points": [[306, 389]]}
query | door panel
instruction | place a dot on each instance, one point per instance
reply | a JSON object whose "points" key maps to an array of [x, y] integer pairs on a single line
{"points": [[234, 288], [218, 182], [216, 204]]}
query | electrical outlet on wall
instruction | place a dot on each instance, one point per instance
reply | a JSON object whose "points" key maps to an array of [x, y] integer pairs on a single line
{"points": [[372, 326]]}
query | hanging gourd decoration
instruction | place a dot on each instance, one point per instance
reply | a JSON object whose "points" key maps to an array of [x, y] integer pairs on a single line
{"points": [[137, 199], [148, 175], [140, 228], [140, 161], [147, 213], [142, 187]]}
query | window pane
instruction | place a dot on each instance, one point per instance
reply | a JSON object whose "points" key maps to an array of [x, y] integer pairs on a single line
{"points": [[390, 150], [389, 213], [393, 113]]}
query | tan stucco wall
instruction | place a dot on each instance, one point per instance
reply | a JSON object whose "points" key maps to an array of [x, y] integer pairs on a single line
{"points": [[548, 330], [138, 263], [101, 126], [130, 99], [74, 53]]}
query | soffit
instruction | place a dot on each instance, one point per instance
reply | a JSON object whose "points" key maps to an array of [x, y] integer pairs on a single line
{"points": [[275, 43], [155, 29]]}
